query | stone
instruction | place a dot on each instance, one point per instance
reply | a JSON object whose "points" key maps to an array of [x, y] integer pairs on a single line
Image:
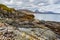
{"points": [[21, 25]]}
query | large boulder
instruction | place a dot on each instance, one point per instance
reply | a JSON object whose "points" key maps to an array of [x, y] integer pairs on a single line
{"points": [[32, 29], [7, 12], [8, 32]]}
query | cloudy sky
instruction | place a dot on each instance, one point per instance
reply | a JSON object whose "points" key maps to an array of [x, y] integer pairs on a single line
{"points": [[41, 5]]}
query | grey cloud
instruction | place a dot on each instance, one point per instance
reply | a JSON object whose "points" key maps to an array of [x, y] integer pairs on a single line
{"points": [[26, 4]]}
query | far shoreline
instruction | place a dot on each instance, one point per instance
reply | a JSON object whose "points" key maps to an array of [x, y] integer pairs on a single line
{"points": [[48, 13]]}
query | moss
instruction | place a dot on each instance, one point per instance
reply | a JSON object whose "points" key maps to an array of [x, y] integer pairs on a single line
{"points": [[4, 7], [1, 5]]}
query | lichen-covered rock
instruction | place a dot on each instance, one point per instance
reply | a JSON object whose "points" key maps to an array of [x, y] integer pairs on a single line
{"points": [[6, 12], [9, 32], [40, 33], [21, 25]]}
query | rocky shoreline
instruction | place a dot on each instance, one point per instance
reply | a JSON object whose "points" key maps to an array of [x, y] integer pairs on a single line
{"points": [[22, 25]]}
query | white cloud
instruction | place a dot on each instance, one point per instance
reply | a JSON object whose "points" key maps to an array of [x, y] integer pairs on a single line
{"points": [[10, 2], [51, 1], [54, 8], [19, 3], [42, 5], [31, 0]]}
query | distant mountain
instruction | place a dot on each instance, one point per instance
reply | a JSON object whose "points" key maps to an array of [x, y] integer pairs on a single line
{"points": [[37, 11], [47, 12]]}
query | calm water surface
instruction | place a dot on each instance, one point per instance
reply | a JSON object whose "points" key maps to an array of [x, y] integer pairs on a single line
{"points": [[48, 17]]}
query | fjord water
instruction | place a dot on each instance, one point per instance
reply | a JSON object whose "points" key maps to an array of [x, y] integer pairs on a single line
{"points": [[48, 17]]}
